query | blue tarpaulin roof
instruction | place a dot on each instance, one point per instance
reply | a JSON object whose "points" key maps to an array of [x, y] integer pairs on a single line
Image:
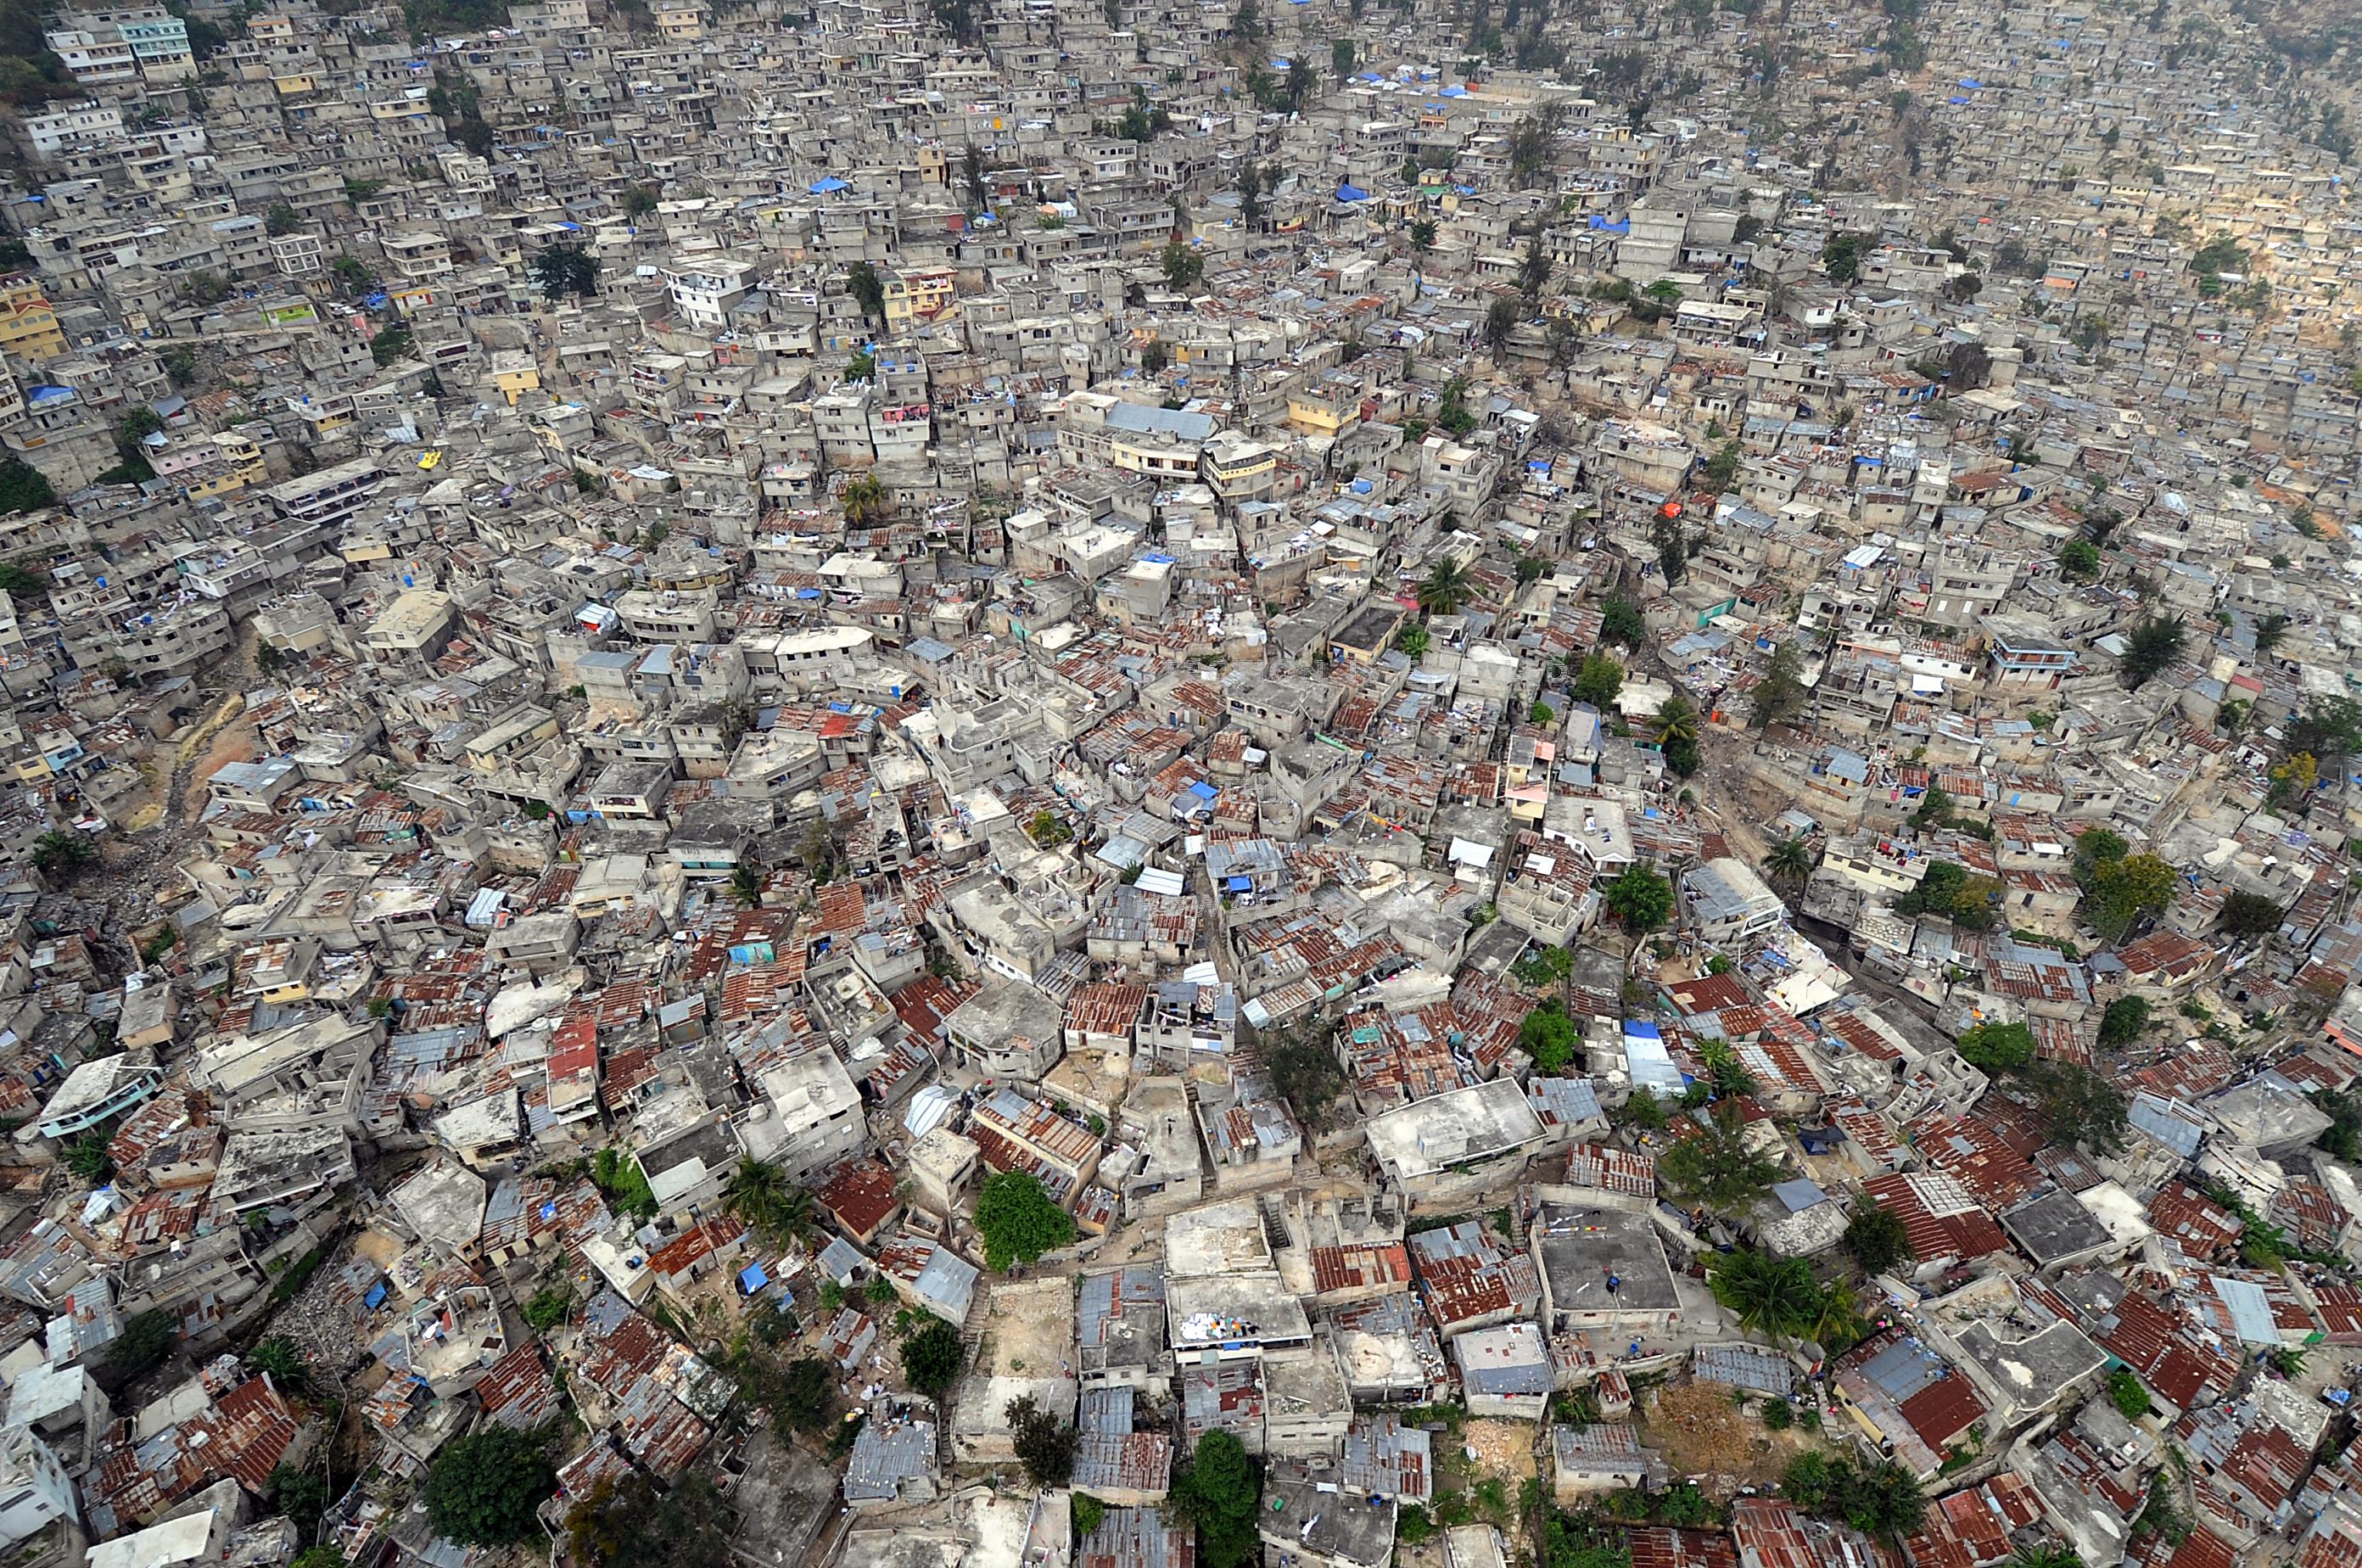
{"points": [[752, 1278], [1350, 192], [827, 186]]}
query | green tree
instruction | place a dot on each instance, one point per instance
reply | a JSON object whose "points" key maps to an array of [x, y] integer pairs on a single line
{"points": [[1672, 538], [1716, 472], [1777, 1296], [619, 1177], [1301, 80], [1341, 57], [869, 291], [486, 1487], [746, 884], [932, 1358], [352, 276], [87, 1158], [1782, 691], [773, 1207], [866, 501], [281, 219], [624, 1522], [1679, 724], [1018, 1221], [1642, 1110], [1639, 899], [2124, 1020], [1304, 1070], [563, 269], [1412, 641], [1877, 1239], [1086, 1514], [2079, 561], [278, 1358], [59, 853], [1620, 623], [300, 1494], [1841, 259], [393, 342], [23, 488], [1044, 1444], [2154, 641], [1182, 264], [1997, 1047], [1550, 1037], [1540, 713], [2077, 1105], [1422, 233], [2251, 914], [2130, 1397], [1790, 859], [1221, 1494], [548, 1309], [2045, 1556], [147, 1339], [1728, 1075], [1598, 682], [1446, 588], [2268, 632], [2118, 892], [1716, 1168], [1882, 1499]]}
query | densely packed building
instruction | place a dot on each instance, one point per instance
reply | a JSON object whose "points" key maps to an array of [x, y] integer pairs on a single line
{"points": [[996, 786]]}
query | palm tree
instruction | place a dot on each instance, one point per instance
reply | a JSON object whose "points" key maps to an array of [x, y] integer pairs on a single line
{"points": [[1839, 1321], [278, 1357], [1678, 719], [759, 1192], [1790, 859], [796, 1218], [1445, 588], [2044, 1557], [1771, 1295]]}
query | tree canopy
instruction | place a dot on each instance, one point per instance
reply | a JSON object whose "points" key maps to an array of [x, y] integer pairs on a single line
{"points": [[1549, 1037], [1044, 1444], [485, 1487], [1877, 1239], [1018, 1221], [1997, 1047], [2151, 646], [1219, 1492], [1640, 898], [931, 1358], [626, 1522], [1598, 682]]}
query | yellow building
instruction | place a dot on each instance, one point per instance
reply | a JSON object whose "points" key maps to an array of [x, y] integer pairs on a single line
{"points": [[28, 323], [515, 375], [919, 296], [1320, 414], [239, 464]]}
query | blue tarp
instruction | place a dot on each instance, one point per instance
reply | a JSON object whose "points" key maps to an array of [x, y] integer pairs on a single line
{"points": [[752, 1278], [1350, 192], [827, 186]]}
